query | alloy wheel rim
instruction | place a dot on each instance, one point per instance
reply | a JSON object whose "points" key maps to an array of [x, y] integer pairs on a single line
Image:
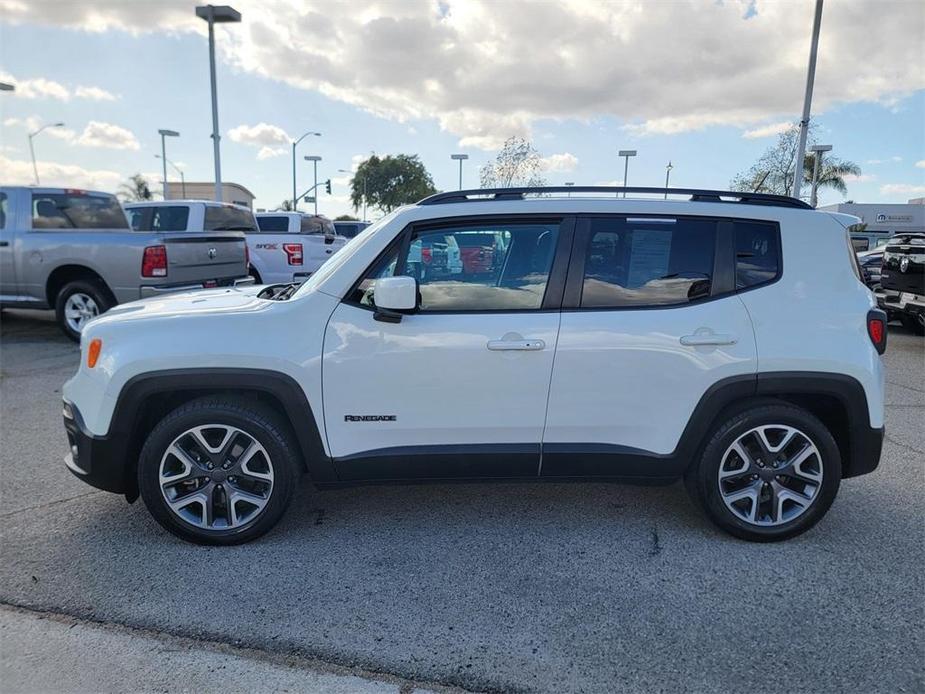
{"points": [[216, 477], [79, 309], [770, 475]]}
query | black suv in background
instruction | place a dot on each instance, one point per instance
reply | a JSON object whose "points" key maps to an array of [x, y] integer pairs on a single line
{"points": [[902, 280]]}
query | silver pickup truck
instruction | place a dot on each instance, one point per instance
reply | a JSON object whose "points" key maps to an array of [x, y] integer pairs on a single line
{"points": [[74, 251]]}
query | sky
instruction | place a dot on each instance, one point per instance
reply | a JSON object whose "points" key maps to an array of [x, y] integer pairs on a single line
{"points": [[704, 84]]}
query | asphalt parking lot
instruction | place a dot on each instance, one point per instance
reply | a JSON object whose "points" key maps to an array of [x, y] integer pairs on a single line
{"points": [[506, 587]]}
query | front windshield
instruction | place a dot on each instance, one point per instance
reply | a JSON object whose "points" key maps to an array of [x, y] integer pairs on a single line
{"points": [[343, 255]]}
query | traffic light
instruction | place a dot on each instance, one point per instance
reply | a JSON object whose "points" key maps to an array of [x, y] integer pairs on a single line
{"points": [[327, 186]]}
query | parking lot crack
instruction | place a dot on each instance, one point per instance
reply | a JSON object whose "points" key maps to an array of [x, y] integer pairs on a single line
{"points": [[47, 504]]}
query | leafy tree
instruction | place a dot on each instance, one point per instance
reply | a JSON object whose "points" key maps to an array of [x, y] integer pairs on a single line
{"points": [[773, 172], [285, 206], [136, 189], [517, 164], [390, 182], [346, 218]]}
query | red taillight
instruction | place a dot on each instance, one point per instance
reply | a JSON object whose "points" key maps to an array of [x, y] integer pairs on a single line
{"points": [[154, 262], [876, 329], [426, 256], [293, 253]]}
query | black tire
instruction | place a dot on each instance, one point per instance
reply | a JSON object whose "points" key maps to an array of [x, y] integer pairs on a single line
{"points": [[256, 275], [256, 421], [702, 478], [99, 294], [912, 323]]}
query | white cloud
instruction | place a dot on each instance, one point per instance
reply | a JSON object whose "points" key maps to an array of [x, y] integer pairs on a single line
{"points": [[94, 94], [270, 152], [859, 178], [901, 189], [19, 172], [38, 88], [896, 159], [107, 135], [767, 130], [874, 162], [474, 65], [262, 134], [33, 123], [920, 164], [560, 162]]}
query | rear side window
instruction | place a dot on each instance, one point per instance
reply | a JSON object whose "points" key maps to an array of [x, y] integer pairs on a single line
{"points": [[757, 253], [648, 262], [228, 218], [317, 225], [173, 218], [76, 210], [273, 224], [2, 210]]}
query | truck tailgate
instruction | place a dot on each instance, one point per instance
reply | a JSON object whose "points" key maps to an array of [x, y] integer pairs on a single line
{"points": [[199, 257]]}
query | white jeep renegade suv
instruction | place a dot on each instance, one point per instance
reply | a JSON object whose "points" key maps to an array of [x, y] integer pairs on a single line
{"points": [[725, 338]]}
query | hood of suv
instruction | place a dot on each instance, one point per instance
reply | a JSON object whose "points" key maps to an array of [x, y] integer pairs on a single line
{"points": [[221, 300]]}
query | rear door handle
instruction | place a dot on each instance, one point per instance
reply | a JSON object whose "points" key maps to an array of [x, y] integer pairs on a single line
{"points": [[521, 345], [708, 339]]}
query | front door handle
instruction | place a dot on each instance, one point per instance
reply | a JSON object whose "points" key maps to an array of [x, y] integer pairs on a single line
{"points": [[708, 340], [521, 345]]}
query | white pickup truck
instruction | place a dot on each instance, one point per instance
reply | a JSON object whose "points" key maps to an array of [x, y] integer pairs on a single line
{"points": [[290, 246]]}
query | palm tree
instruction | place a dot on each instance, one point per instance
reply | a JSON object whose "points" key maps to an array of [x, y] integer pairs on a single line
{"points": [[831, 174], [135, 189]]}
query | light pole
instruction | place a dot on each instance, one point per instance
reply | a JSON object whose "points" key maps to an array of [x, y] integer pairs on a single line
{"points": [[295, 202], [212, 14], [626, 154], [5, 87], [460, 158], [364, 190], [164, 135], [314, 159], [179, 171], [667, 175], [817, 164], [570, 184], [807, 102], [35, 169]]}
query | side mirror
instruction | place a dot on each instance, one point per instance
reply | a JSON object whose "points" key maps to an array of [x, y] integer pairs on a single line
{"points": [[329, 238], [394, 294]]}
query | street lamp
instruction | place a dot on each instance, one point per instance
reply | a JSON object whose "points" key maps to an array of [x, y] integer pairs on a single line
{"points": [[212, 14], [570, 184], [35, 169], [626, 154], [460, 158], [807, 101], [5, 87], [295, 202], [164, 135], [667, 175], [179, 171], [364, 189], [817, 164], [314, 159]]}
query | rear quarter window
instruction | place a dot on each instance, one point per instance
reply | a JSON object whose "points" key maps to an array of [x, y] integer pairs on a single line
{"points": [[273, 224], [757, 253], [228, 218]]}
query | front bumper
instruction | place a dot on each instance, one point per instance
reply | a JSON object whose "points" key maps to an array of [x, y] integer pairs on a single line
{"points": [[97, 460], [147, 291]]}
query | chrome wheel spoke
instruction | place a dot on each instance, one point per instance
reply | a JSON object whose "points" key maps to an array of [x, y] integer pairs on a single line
{"points": [[216, 477], [770, 475]]}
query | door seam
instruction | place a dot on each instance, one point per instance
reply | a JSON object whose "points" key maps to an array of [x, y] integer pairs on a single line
{"points": [[552, 372]]}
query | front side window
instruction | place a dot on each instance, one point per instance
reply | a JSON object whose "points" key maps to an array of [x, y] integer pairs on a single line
{"points": [[173, 218], [77, 210], [3, 205], [228, 218], [483, 267], [648, 262], [757, 253]]}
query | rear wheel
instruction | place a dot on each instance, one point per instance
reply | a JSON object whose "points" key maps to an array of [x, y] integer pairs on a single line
{"points": [[218, 471], [768, 473], [79, 302]]}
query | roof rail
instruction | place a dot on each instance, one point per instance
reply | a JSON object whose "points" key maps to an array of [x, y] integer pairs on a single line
{"points": [[696, 195]]}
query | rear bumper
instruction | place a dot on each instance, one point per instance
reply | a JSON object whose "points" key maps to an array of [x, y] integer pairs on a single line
{"points": [[148, 291], [866, 444], [97, 460], [894, 302]]}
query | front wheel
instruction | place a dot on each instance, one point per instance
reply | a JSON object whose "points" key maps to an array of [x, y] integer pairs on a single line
{"points": [[77, 304], [218, 471], [768, 473]]}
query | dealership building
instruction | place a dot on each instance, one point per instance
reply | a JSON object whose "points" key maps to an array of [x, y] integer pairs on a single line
{"points": [[886, 218]]}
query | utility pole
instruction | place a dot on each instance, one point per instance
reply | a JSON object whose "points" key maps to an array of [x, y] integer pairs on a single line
{"points": [[817, 165], [295, 201], [807, 103], [35, 168], [314, 159], [164, 135], [667, 175], [626, 154], [460, 158]]}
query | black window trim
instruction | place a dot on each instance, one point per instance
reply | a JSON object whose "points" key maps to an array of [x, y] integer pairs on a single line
{"points": [[555, 283], [724, 261]]}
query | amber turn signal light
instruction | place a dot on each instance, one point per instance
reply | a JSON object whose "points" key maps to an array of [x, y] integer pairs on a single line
{"points": [[93, 353]]}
